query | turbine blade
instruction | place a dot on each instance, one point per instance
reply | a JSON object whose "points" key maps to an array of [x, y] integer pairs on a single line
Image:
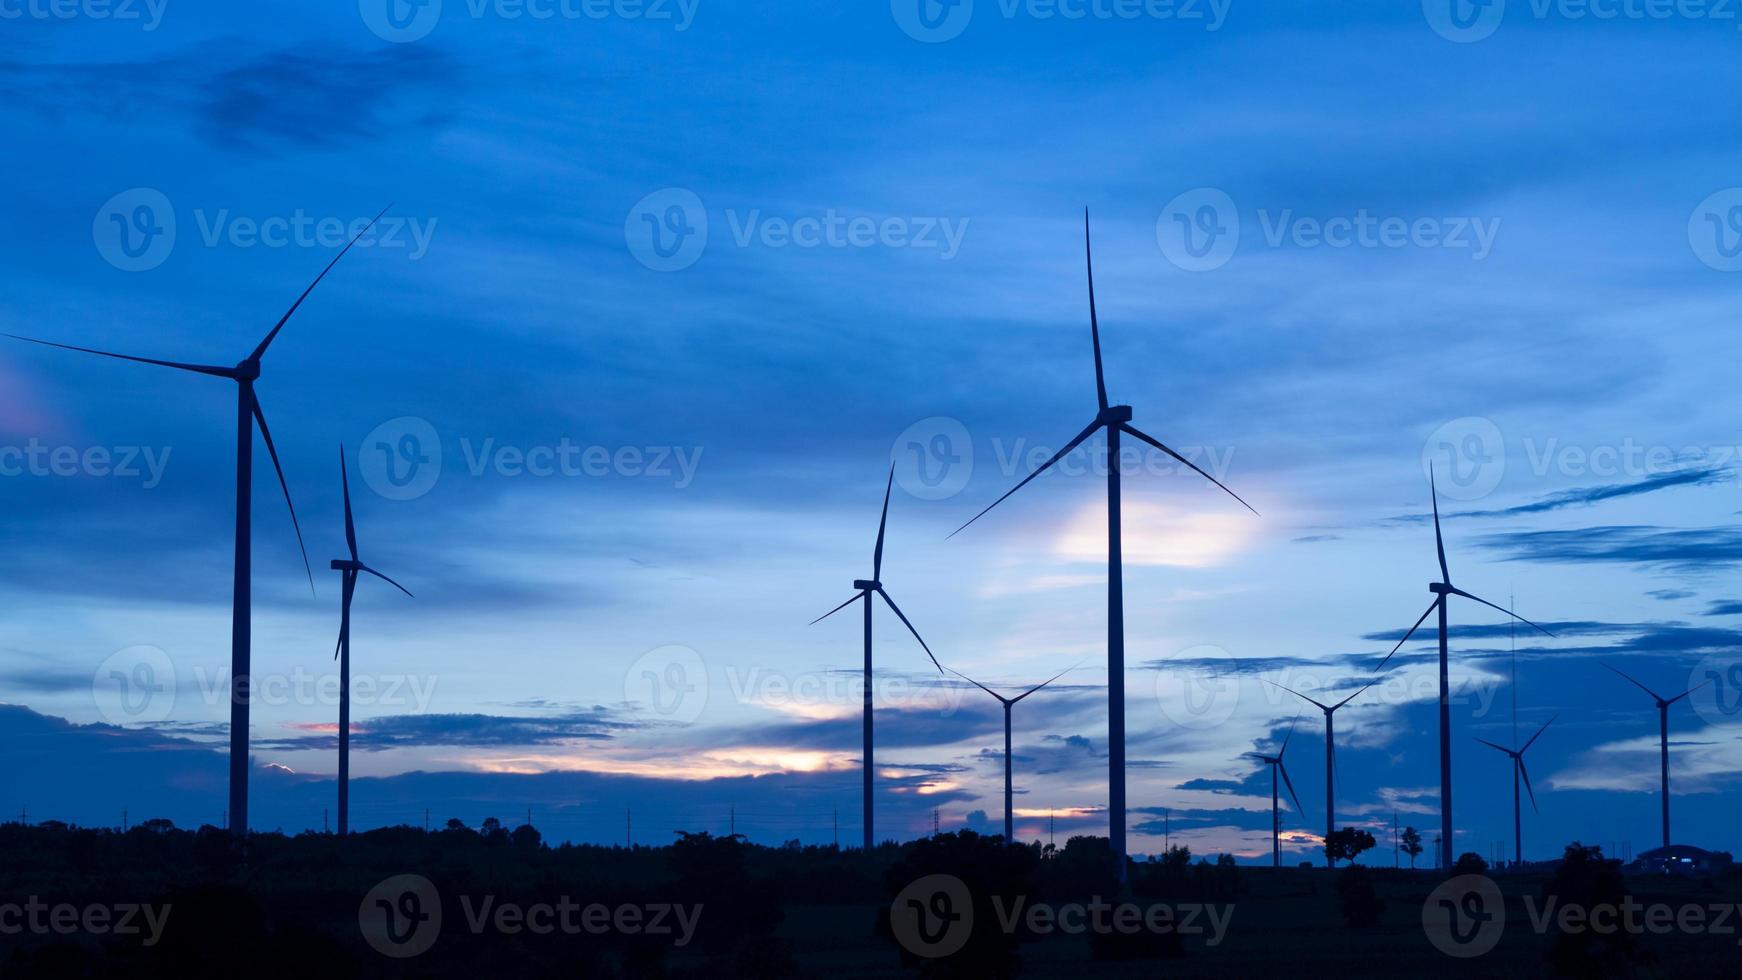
{"points": [[1503, 609], [389, 581], [1539, 731], [1295, 693], [838, 608], [882, 524], [350, 526], [1439, 539], [979, 685], [1494, 745], [273, 334], [1044, 683], [1687, 692], [1635, 683], [1524, 771], [1290, 784], [1430, 611], [1094, 321], [1357, 694], [349, 589], [897, 609], [1290, 735], [217, 372], [1133, 430], [1061, 454], [271, 450]]}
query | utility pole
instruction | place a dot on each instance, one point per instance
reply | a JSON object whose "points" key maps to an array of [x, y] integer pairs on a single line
{"points": [[837, 826], [935, 831], [1166, 830], [1396, 861], [628, 829], [732, 821], [426, 819], [1049, 829], [529, 816], [123, 820], [323, 819]]}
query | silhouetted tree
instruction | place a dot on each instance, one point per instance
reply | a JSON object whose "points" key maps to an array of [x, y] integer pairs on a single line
{"points": [[1348, 843], [1588, 880], [1360, 901], [1470, 863], [1412, 845]]}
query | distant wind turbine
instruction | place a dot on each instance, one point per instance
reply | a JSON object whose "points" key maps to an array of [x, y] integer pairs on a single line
{"points": [[248, 413], [868, 588], [1330, 711], [1518, 770], [1663, 737], [1008, 703], [1443, 590], [1116, 419], [1276, 766], [349, 569]]}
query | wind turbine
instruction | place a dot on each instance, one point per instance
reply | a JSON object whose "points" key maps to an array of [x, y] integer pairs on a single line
{"points": [[1008, 703], [1276, 766], [349, 569], [1443, 590], [1518, 769], [1663, 737], [1116, 419], [868, 588], [1330, 711], [248, 413]]}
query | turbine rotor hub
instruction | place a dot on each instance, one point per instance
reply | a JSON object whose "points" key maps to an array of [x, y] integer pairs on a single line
{"points": [[1114, 414], [1439, 588], [867, 585], [346, 565], [248, 370]]}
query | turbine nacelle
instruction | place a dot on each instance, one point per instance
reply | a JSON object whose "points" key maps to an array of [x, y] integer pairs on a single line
{"points": [[248, 370], [867, 585], [1114, 415], [1441, 588], [346, 565]]}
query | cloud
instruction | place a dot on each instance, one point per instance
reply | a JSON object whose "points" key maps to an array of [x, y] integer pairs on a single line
{"points": [[1686, 550], [1693, 476], [459, 730]]}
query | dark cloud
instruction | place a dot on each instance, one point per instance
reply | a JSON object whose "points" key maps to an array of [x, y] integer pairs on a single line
{"points": [[1670, 595], [1682, 550], [1693, 476], [464, 730], [254, 101], [1725, 607]]}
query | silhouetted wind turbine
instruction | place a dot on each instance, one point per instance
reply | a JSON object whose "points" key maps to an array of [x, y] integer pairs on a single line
{"points": [[1518, 769], [1008, 703], [1276, 766], [868, 588], [1330, 711], [1663, 736], [1116, 419], [349, 569], [248, 413], [1443, 590]]}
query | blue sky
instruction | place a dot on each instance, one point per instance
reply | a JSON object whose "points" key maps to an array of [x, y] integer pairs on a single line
{"points": [[1509, 255]]}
